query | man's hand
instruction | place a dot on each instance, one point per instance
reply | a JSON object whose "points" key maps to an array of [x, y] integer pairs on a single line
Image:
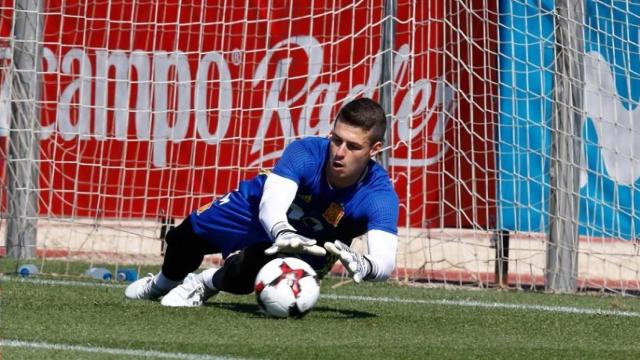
{"points": [[287, 240], [357, 265]]}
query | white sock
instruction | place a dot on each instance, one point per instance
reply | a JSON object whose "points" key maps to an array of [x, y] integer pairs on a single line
{"points": [[207, 278], [165, 283]]}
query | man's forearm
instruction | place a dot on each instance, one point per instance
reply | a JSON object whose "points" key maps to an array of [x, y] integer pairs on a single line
{"points": [[278, 194]]}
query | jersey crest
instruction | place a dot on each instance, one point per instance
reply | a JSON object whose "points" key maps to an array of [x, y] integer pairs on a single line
{"points": [[333, 214]]}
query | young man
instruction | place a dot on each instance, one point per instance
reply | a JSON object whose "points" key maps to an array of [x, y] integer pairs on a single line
{"points": [[320, 195]]}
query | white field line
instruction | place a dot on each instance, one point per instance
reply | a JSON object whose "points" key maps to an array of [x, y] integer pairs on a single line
{"points": [[490, 305], [443, 302], [104, 350]]}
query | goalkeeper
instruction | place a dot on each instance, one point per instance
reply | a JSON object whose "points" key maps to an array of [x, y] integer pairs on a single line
{"points": [[321, 194]]}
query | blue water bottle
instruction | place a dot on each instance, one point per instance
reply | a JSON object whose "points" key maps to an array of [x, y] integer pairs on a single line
{"points": [[28, 270], [127, 275], [98, 273]]}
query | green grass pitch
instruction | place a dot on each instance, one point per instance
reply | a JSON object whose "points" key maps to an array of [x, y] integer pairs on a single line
{"points": [[55, 318]]}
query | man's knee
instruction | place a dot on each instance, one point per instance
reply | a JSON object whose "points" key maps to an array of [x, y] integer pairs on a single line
{"points": [[182, 234], [183, 237], [185, 251], [238, 274]]}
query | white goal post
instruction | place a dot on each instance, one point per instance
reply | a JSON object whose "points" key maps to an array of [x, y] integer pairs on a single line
{"points": [[137, 113]]}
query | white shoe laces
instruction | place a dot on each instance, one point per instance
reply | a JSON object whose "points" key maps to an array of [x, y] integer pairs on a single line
{"points": [[199, 292], [149, 283]]}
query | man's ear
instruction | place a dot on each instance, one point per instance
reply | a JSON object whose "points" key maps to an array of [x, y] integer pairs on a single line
{"points": [[375, 149]]}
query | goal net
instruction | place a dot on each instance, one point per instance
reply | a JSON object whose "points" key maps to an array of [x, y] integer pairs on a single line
{"points": [[147, 110]]}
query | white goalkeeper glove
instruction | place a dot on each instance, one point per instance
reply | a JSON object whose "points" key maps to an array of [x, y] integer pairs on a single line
{"points": [[287, 240], [357, 265]]}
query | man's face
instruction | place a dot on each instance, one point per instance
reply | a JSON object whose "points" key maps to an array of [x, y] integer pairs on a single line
{"points": [[349, 153]]}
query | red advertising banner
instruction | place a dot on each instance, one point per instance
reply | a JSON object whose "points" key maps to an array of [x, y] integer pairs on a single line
{"points": [[150, 109]]}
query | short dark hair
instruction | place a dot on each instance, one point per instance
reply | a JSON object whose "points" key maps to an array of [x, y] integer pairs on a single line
{"points": [[365, 114]]}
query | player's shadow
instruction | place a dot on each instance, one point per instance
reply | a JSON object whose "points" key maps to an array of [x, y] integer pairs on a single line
{"points": [[328, 312], [343, 313]]}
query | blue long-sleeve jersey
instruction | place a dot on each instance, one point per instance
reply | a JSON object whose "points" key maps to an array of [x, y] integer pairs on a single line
{"points": [[318, 210]]}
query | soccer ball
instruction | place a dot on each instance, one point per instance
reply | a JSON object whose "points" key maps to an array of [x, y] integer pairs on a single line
{"points": [[287, 287]]}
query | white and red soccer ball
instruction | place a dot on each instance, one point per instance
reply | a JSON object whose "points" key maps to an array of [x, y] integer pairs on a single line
{"points": [[287, 287]]}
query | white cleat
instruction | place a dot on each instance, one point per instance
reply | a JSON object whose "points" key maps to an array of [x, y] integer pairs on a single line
{"points": [[191, 293], [144, 289]]}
